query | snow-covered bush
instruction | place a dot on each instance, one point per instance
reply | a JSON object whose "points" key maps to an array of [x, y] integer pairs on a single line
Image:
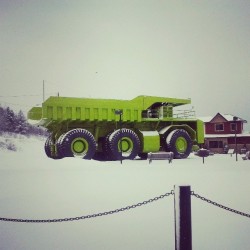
{"points": [[7, 144]]}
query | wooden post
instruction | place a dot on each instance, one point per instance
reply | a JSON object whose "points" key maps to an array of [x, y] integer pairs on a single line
{"points": [[183, 223]]}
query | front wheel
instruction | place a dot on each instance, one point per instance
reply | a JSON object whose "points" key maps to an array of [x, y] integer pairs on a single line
{"points": [[78, 143], [180, 143]]}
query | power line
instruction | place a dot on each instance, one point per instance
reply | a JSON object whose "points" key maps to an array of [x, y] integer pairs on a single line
{"points": [[17, 95], [26, 95], [18, 104]]}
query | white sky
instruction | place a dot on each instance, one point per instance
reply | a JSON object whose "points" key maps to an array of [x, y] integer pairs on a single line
{"points": [[122, 49]]}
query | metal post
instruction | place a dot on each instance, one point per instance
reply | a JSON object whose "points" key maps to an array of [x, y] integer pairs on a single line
{"points": [[119, 112], [121, 134], [236, 148], [183, 223], [235, 137]]}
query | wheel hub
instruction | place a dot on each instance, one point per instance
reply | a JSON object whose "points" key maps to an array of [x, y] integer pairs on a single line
{"points": [[79, 146], [125, 145], [181, 144]]}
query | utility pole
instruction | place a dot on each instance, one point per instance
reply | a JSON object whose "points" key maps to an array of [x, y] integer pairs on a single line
{"points": [[43, 90], [235, 118]]}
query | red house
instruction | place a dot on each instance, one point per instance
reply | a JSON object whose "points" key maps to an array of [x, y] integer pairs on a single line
{"points": [[223, 132]]}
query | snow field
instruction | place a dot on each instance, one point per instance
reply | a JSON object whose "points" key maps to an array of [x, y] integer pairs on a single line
{"points": [[33, 186]]}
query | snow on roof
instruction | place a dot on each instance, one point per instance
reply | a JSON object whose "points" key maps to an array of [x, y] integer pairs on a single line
{"points": [[228, 117]]}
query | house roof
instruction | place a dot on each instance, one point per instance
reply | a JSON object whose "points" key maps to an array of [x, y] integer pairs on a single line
{"points": [[227, 117]]}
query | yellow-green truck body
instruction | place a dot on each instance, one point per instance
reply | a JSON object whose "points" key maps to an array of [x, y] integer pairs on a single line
{"points": [[110, 129]]}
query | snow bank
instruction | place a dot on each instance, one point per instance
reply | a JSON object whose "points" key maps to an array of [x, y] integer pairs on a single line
{"points": [[33, 186]]}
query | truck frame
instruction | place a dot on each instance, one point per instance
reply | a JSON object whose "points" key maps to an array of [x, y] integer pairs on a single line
{"points": [[110, 129]]}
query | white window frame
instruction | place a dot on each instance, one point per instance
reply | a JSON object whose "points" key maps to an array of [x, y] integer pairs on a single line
{"points": [[231, 127], [219, 130]]}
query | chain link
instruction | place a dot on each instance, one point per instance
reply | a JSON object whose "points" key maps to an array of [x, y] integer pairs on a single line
{"points": [[122, 210], [92, 215], [220, 205]]}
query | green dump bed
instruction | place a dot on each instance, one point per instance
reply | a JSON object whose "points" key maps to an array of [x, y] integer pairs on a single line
{"points": [[58, 109]]}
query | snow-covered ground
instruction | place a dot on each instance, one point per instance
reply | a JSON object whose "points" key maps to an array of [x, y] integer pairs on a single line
{"points": [[33, 186]]}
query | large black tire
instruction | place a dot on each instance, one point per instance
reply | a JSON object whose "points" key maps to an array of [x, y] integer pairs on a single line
{"points": [[51, 148], [124, 144], [143, 156], [106, 154], [78, 143], [102, 155], [107, 149], [180, 143], [48, 146], [59, 145]]}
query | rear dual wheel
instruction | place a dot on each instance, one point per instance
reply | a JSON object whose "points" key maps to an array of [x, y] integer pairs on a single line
{"points": [[123, 144], [78, 143], [120, 144], [48, 147], [105, 153], [74, 143], [51, 148]]}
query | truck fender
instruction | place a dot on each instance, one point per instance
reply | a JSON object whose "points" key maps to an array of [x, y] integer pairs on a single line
{"points": [[164, 132]]}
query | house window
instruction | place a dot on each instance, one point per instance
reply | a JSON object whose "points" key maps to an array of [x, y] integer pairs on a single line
{"points": [[219, 127], [215, 144], [233, 127]]}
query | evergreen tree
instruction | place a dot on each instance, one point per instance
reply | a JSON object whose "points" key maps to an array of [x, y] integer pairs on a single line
{"points": [[2, 120], [10, 121], [20, 123], [17, 123]]}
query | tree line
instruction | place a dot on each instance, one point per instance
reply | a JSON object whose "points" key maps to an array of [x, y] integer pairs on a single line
{"points": [[17, 123]]}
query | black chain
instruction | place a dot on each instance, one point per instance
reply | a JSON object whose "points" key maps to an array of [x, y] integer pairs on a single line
{"points": [[92, 215], [219, 205]]}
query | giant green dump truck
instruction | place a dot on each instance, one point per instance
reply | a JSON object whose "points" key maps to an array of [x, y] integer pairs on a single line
{"points": [[108, 129]]}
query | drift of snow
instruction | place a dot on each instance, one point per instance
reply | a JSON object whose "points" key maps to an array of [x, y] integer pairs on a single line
{"points": [[33, 186]]}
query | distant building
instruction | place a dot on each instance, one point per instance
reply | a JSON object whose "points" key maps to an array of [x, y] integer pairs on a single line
{"points": [[220, 133]]}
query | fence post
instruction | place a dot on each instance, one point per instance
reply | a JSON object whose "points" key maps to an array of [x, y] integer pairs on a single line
{"points": [[183, 224]]}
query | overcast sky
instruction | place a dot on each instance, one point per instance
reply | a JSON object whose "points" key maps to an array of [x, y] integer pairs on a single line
{"points": [[122, 49]]}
